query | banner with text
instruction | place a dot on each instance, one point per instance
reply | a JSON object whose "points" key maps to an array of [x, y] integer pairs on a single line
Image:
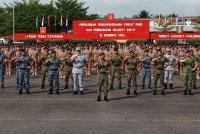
{"points": [[115, 29], [175, 36]]}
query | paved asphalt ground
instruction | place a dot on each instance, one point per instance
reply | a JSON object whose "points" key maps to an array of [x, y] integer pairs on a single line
{"points": [[40, 113]]}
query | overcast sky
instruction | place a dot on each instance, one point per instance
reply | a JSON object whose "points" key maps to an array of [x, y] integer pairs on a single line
{"points": [[129, 8]]}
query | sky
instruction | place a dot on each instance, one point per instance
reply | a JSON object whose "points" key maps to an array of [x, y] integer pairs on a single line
{"points": [[128, 8]]}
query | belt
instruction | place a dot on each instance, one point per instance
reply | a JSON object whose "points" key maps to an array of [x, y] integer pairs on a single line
{"points": [[103, 73], [146, 67], [23, 68], [53, 69]]}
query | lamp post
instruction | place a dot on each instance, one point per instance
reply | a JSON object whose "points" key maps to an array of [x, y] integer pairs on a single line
{"points": [[13, 20]]}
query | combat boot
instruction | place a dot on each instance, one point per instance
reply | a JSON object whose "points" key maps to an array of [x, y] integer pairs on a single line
{"points": [[99, 98], [81, 92], [171, 86], [57, 92], [163, 92], [20, 91], [75, 92], [42, 86], [2, 86], [66, 86], [111, 87], [185, 92], [149, 87], [143, 86], [190, 92], [194, 87], [50, 91], [120, 86], [105, 98], [135, 92], [128, 92], [154, 92], [27, 91], [165, 85]]}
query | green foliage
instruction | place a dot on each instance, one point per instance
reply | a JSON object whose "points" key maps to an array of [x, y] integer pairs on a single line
{"points": [[26, 12], [144, 14], [197, 20]]}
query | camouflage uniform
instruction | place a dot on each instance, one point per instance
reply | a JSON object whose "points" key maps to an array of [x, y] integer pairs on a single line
{"points": [[194, 72], [159, 71], [103, 77], [68, 69], [132, 63], [188, 73], [44, 69], [116, 69]]}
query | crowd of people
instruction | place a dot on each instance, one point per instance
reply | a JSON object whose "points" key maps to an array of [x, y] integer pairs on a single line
{"points": [[66, 61]]}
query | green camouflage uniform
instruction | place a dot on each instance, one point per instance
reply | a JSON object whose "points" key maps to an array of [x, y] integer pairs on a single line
{"points": [[44, 68], [116, 69], [132, 71], [102, 77], [159, 71], [188, 73], [68, 68], [194, 72]]}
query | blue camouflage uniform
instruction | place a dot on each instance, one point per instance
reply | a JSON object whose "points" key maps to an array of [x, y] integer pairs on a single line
{"points": [[146, 71], [53, 73], [24, 72], [2, 57]]}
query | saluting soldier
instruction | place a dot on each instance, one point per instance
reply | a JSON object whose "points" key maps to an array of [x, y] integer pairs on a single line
{"points": [[54, 63], [169, 70], [44, 68], [159, 70], [2, 68], [188, 62], [132, 67], [68, 65], [146, 69], [24, 62], [116, 62], [103, 66]]}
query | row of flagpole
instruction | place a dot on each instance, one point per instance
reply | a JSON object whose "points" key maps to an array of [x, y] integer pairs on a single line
{"points": [[49, 22], [171, 20]]}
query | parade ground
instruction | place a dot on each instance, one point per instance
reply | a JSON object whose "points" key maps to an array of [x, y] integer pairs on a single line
{"points": [[41, 113]]}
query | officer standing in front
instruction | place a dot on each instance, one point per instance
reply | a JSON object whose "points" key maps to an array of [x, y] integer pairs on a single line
{"points": [[169, 70], [103, 67], [68, 64], [53, 65], [116, 62], [79, 62], [188, 62], [132, 63], [146, 69], [159, 71], [24, 62], [43, 58], [2, 62]]}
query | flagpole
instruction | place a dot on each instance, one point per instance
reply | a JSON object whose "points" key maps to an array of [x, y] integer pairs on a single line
{"points": [[13, 20], [67, 22]]}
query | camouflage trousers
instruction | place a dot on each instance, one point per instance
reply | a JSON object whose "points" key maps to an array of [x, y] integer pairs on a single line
{"points": [[187, 79], [68, 73], [194, 76], [44, 74], [131, 76], [102, 84], [155, 80], [115, 71]]}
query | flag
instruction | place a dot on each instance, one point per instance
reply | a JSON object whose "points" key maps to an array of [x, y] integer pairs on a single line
{"points": [[171, 20], [166, 18], [36, 21], [49, 21], [55, 20], [43, 20], [177, 21], [67, 21], [183, 20], [159, 19], [61, 22]]}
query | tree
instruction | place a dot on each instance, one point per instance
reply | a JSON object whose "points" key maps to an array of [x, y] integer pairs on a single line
{"points": [[197, 26], [26, 12], [144, 14]]}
